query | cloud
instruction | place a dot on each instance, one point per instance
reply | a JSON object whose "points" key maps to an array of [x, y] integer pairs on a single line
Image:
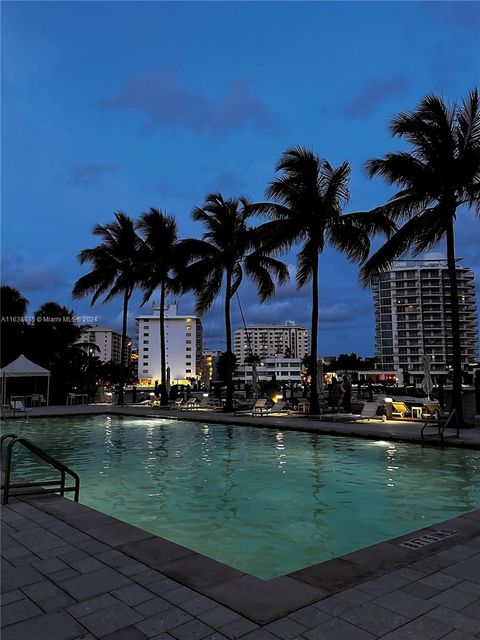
{"points": [[28, 275], [374, 94], [86, 174], [161, 98]]}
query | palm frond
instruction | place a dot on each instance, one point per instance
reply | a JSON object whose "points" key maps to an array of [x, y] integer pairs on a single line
{"points": [[395, 247], [349, 238]]}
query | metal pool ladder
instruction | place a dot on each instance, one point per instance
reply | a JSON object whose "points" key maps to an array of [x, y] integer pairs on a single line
{"points": [[441, 422], [34, 488]]}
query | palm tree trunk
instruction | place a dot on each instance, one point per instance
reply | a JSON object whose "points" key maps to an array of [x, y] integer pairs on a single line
{"points": [[229, 355], [121, 395], [163, 358], [314, 405], [456, 342]]}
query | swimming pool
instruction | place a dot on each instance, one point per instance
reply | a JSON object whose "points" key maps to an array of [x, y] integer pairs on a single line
{"points": [[264, 501]]}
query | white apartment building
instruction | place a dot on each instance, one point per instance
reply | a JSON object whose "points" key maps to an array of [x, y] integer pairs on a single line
{"points": [[283, 369], [413, 316], [109, 343], [268, 340], [183, 346]]}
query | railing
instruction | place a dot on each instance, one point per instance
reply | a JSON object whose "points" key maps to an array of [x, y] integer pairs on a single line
{"points": [[441, 423], [54, 486]]}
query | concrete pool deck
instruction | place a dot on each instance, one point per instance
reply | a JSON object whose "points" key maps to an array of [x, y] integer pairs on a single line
{"points": [[72, 573]]}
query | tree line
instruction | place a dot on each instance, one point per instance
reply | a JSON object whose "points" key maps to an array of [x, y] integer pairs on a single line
{"points": [[52, 338], [304, 208]]}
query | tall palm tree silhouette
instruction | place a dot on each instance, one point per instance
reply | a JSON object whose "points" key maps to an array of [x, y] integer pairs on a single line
{"points": [[229, 248], [161, 256], [115, 263], [439, 174], [307, 207]]}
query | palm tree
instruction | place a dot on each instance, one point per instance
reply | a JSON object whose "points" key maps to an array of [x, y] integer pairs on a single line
{"points": [[438, 175], [115, 263], [160, 256], [229, 249], [309, 198]]}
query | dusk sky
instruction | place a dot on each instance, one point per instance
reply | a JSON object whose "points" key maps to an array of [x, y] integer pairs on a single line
{"points": [[112, 106]]}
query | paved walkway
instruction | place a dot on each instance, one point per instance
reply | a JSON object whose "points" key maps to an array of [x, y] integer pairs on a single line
{"points": [[60, 582]]}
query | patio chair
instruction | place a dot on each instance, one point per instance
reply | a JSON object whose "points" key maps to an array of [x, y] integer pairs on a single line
{"points": [[19, 407], [433, 408], [189, 405], [177, 403], [401, 410], [277, 407], [257, 410], [369, 412]]}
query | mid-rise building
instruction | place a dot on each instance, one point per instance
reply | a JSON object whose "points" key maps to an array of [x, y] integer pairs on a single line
{"points": [[183, 346], [109, 343], [280, 368], [413, 316], [269, 340]]}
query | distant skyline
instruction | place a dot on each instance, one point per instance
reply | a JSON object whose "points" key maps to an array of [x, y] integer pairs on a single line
{"points": [[113, 106]]}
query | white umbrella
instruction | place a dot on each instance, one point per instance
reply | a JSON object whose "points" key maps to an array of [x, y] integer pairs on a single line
{"points": [[320, 381], [427, 382]]}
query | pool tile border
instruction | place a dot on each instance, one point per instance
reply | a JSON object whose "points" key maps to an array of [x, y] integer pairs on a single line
{"points": [[262, 601]]}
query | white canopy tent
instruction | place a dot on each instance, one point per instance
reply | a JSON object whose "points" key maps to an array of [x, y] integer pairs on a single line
{"points": [[22, 367]]}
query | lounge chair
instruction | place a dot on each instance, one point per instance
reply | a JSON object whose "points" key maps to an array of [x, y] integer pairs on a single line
{"points": [[277, 407], [258, 409], [177, 403], [189, 405], [433, 409], [19, 407], [369, 412], [401, 410]]}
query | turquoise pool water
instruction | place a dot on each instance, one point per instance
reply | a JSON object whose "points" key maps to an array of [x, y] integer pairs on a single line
{"points": [[264, 501]]}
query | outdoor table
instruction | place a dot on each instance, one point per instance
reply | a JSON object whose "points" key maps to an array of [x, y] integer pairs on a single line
{"points": [[77, 398]]}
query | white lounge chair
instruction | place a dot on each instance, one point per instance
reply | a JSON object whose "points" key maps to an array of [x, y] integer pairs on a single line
{"points": [[189, 405], [277, 407], [258, 409], [369, 412]]}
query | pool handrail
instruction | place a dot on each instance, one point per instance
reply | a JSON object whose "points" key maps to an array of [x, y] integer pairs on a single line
{"points": [[441, 421], [43, 455]]}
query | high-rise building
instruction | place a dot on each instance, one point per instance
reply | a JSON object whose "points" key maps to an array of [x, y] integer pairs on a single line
{"points": [[183, 345], [413, 316], [268, 340], [109, 343]]}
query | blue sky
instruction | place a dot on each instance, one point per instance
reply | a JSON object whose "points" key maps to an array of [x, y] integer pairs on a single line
{"points": [[125, 105]]}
